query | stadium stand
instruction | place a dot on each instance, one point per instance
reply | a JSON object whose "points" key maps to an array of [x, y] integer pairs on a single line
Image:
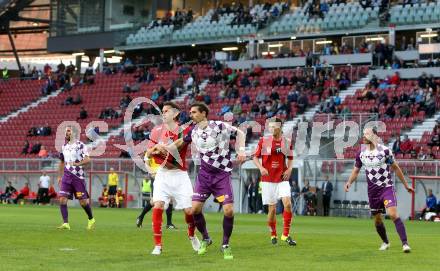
{"points": [[15, 94], [53, 112], [415, 14]]}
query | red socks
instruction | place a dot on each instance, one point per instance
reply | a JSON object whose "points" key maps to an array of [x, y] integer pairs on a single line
{"points": [[189, 219], [287, 218], [157, 226], [272, 227]]}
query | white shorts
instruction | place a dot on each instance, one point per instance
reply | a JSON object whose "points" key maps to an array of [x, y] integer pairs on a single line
{"points": [[173, 185], [272, 192]]}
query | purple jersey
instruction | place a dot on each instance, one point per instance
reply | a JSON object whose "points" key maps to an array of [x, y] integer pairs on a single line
{"points": [[74, 153], [212, 143], [377, 164]]}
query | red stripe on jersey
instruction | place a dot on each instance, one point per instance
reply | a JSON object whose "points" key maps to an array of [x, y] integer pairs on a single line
{"points": [[273, 154]]}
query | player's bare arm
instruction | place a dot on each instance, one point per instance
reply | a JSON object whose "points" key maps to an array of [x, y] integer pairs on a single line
{"points": [[60, 171], [257, 163], [353, 177], [241, 140], [401, 177], [288, 172]]}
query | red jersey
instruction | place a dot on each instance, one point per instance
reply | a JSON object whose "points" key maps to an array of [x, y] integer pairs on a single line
{"points": [[273, 154], [25, 191], [161, 135]]}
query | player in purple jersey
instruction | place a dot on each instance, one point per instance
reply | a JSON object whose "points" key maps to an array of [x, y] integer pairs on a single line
{"points": [[211, 139], [72, 183], [378, 160]]}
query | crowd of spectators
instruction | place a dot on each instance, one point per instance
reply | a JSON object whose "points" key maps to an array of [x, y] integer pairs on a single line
{"points": [[178, 19]]}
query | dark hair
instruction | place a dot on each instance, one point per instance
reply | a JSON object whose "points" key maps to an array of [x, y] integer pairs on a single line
{"points": [[275, 119], [172, 105], [202, 107], [374, 129]]}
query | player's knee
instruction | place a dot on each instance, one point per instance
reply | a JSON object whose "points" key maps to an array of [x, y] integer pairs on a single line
{"points": [[378, 219], [228, 210], [188, 211], [394, 217], [159, 205], [63, 201], [288, 206]]}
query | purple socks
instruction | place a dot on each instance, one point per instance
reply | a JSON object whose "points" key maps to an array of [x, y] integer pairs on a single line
{"points": [[199, 220], [64, 213], [400, 228], [228, 225]]}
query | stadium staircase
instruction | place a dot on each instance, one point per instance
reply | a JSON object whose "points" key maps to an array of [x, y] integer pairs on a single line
{"points": [[420, 130], [310, 113]]}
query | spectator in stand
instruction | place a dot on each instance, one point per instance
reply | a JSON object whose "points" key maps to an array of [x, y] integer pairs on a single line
{"points": [[24, 192], [25, 149], [189, 82], [431, 202], [43, 152], [390, 112], [43, 189], [70, 69], [35, 149], [257, 70], [337, 99], [302, 104], [109, 113], [125, 101], [244, 82], [83, 113], [406, 146], [261, 97], [245, 99], [293, 95], [367, 94], [155, 95], [274, 95], [396, 146], [374, 82], [430, 63], [435, 140], [89, 77], [237, 110], [404, 110], [9, 192], [225, 109], [395, 79]]}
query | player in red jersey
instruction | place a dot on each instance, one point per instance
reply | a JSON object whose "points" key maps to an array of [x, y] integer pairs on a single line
{"points": [[274, 150], [171, 181]]}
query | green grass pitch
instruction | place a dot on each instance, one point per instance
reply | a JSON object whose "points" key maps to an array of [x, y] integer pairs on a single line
{"points": [[29, 240]]}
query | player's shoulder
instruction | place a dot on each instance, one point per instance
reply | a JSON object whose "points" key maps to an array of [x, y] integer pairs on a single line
{"points": [[158, 128], [265, 138]]}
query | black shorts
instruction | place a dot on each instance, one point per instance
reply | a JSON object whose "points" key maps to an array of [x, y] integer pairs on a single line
{"points": [[112, 190]]}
